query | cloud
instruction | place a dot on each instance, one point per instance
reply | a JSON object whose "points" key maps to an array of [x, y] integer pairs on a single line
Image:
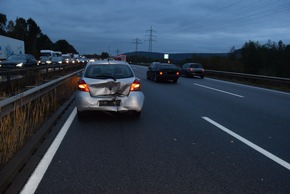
{"points": [[94, 26]]}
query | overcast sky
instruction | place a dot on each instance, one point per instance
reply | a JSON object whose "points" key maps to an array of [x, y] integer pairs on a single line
{"points": [[178, 26]]}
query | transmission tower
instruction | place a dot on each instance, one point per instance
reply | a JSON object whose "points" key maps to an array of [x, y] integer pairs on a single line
{"points": [[137, 41], [151, 38]]}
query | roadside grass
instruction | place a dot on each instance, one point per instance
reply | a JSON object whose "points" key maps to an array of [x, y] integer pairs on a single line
{"points": [[19, 126]]}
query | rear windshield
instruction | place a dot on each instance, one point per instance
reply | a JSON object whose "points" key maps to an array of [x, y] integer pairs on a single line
{"points": [[45, 54], [167, 66], [196, 65], [104, 71]]}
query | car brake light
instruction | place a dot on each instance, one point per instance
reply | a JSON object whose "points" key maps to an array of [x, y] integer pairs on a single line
{"points": [[82, 86], [177, 73], [160, 73], [136, 86], [190, 69]]}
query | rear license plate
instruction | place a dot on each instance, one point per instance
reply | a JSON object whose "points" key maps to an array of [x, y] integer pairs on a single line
{"points": [[109, 102]]}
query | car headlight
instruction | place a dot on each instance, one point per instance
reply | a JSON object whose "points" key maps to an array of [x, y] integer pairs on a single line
{"points": [[19, 65]]}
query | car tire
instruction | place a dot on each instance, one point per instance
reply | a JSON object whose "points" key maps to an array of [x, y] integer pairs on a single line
{"points": [[155, 78], [136, 114]]}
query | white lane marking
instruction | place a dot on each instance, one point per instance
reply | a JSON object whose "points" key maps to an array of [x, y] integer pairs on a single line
{"points": [[34, 180], [252, 145], [219, 90], [249, 86]]}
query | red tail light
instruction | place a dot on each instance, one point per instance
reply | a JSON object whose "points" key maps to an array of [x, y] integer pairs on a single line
{"points": [[160, 73], [136, 86], [177, 73], [82, 86], [190, 69]]}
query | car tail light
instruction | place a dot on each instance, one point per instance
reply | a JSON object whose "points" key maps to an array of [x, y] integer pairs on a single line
{"points": [[190, 69], [160, 73], [202, 70], [136, 86], [177, 73], [82, 86]]}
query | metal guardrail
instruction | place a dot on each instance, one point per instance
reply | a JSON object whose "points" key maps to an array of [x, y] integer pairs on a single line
{"points": [[250, 76], [8, 74], [10, 104]]}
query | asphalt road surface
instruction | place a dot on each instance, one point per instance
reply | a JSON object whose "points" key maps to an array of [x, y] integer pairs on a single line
{"points": [[196, 136]]}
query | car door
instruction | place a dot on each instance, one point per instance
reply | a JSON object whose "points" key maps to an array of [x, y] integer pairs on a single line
{"points": [[183, 69]]}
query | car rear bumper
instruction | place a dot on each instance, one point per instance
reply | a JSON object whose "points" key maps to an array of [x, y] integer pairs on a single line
{"points": [[85, 102], [167, 77], [196, 73]]}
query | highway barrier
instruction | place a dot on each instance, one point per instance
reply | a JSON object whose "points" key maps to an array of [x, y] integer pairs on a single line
{"points": [[27, 118]]}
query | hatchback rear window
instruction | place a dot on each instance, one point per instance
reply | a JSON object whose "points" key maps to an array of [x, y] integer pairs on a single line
{"points": [[196, 65], [106, 70], [168, 66]]}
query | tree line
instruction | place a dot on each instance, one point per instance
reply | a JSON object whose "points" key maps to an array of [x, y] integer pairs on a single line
{"points": [[31, 34], [271, 59]]}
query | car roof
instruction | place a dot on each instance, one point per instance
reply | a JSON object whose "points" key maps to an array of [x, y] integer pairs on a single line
{"points": [[109, 62], [167, 64]]}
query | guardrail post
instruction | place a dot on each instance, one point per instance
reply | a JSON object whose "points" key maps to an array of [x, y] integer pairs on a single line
{"points": [[8, 85]]}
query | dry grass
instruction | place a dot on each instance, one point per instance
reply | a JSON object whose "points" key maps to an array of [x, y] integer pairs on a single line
{"points": [[19, 126]]}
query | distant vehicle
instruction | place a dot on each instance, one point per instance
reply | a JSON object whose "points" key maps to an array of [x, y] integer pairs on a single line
{"points": [[10, 46], [109, 86], [162, 72], [83, 60], [46, 57], [18, 61], [58, 58], [192, 69], [120, 58], [68, 58]]}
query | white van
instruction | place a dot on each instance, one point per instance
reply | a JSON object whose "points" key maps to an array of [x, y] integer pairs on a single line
{"points": [[46, 56]]}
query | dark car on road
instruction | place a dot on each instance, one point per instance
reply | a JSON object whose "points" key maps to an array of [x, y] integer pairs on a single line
{"points": [[163, 72], [192, 69], [18, 61]]}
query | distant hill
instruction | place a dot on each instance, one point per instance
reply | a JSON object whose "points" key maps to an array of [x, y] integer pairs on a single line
{"points": [[173, 56]]}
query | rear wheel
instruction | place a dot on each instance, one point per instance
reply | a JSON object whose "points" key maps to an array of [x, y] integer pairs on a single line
{"points": [[136, 114], [155, 78]]}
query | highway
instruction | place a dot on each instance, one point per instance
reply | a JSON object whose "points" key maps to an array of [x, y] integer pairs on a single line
{"points": [[196, 136]]}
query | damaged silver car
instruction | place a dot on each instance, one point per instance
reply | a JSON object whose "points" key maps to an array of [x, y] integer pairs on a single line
{"points": [[109, 86]]}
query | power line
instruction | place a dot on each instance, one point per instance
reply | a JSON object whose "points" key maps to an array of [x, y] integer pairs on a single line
{"points": [[151, 36], [239, 14], [137, 41]]}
